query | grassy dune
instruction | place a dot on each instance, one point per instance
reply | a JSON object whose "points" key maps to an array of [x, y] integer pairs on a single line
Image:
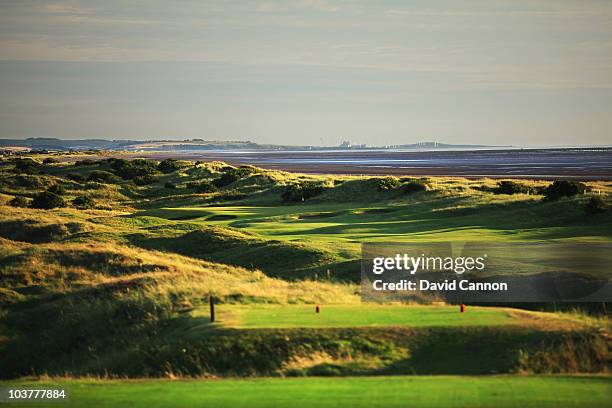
{"points": [[120, 286]]}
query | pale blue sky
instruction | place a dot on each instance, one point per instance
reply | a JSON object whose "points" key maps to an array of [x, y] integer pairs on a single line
{"points": [[309, 72]]}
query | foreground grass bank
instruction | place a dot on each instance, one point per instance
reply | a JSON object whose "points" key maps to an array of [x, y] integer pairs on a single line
{"points": [[434, 391]]}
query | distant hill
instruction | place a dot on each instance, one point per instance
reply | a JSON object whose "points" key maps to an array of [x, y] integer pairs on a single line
{"points": [[45, 143]]}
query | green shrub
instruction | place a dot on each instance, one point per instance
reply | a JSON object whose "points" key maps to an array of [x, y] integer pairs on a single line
{"points": [[101, 176], [414, 187], [85, 162], [326, 370], [233, 196], [512, 187], [387, 183], [247, 170], [50, 160], [170, 185], [26, 166], [145, 179], [76, 177], [18, 201], [202, 187], [130, 170], [231, 175], [83, 202], [302, 191], [29, 181], [93, 185], [596, 205], [225, 180], [47, 200], [170, 165], [57, 189], [564, 188]]}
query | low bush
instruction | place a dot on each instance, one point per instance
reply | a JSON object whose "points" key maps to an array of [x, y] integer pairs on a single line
{"points": [[101, 176], [596, 205], [76, 177], [145, 179], [50, 160], [414, 187], [26, 166], [564, 188], [170, 165], [83, 202], [47, 200], [302, 191], [19, 201], [57, 189], [138, 168], [232, 196], [231, 175], [225, 180], [93, 185], [388, 183], [85, 162], [28, 181], [512, 187], [202, 186]]}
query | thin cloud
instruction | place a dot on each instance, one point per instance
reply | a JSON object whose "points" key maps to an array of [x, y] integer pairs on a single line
{"points": [[66, 9]]}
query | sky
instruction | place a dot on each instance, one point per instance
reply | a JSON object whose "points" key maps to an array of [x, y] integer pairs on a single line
{"points": [[522, 73]]}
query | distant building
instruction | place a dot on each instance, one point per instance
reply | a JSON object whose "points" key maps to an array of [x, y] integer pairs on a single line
{"points": [[346, 144]]}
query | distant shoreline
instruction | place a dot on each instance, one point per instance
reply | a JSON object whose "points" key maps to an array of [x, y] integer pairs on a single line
{"points": [[527, 163], [547, 164]]}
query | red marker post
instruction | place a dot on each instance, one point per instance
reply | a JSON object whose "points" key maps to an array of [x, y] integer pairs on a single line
{"points": [[318, 309], [462, 308]]}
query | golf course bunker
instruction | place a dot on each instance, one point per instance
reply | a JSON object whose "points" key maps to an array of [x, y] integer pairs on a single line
{"points": [[221, 217], [184, 217], [308, 216], [375, 211]]}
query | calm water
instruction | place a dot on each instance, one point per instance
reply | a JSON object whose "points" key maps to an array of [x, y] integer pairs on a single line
{"points": [[541, 163]]}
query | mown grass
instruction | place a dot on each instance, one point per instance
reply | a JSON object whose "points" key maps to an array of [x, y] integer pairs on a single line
{"points": [[428, 218], [388, 392], [357, 315]]}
